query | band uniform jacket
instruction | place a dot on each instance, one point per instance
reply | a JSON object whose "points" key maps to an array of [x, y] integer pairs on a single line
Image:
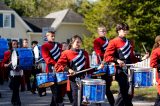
{"points": [[6, 60], [100, 45], [120, 48], [76, 60], [51, 52], [155, 63]]}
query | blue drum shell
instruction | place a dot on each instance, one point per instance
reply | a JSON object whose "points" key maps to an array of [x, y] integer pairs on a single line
{"points": [[143, 78], [94, 90], [61, 76], [3, 47], [111, 70], [25, 58], [43, 78]]}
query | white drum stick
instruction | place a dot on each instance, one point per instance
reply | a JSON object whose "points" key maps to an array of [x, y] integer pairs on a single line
{"points": [[144, 48], [39, 60], [99, 58], [85, 70]]}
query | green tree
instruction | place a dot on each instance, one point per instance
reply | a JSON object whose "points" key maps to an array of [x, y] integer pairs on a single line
{"points": [[142, 17], [38, 8]]}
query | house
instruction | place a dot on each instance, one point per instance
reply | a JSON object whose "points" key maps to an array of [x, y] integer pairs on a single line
{"points": [[37, 25], [11, 24], [66, 23]]}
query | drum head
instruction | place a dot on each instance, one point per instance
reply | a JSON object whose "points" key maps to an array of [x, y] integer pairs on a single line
{"points": [[141, 68], [94, 81], [14, 59], [36, 52]]}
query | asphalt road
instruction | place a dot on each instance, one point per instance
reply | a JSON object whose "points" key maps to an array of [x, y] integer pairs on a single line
{"points": [[29, 99]]}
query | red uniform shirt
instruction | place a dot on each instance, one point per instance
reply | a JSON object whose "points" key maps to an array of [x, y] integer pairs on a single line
{"points": [[6, 58], [120, 48], [51, 52], [155, 63], [155, 57], [73, 59], [100, 45], [76, 60]]}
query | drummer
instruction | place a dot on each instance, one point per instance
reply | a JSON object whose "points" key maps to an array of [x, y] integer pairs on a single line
{"points": [[120, 51], [155, 63], [73, 60], [15, 79], [51, 52], [99, 46], [69, 93], [35, 71]]}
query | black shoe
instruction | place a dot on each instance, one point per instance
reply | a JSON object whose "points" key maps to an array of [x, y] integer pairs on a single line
{"points": [[16, 103], [22, 90], [0, 95], [42, 94], [33, 92]]}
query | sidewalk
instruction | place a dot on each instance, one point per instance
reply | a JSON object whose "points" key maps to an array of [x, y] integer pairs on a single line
{"points": [[29, 99]]}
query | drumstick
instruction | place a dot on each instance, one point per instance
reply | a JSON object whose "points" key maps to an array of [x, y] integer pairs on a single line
{"points": [[127, 65], [99, 58], [144, 48], [85, 70], [39, 60]]}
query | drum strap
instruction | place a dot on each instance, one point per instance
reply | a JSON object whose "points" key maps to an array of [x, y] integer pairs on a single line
{"points": [[158, 74], [68, 85]]}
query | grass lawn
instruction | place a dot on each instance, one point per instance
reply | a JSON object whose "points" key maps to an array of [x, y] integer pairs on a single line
{"points": [[146, 94]]}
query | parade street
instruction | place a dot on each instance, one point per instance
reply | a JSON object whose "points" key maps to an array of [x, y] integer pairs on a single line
{"points": [[29, 99]]}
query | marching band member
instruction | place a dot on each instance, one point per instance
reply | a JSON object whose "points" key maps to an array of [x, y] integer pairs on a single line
{"points": [[99, 46], [155, 63], [120, 50], [51, 52], [27, 72], [15, 79], [69, 93], [72, 60], [35, 71]]}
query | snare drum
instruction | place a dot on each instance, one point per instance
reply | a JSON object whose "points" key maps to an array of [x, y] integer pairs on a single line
{"points": [[3, 47], [61, 77], [111, 69], [45, 80], [143, 78], [22, 58], [100, 71], [94, 90]]}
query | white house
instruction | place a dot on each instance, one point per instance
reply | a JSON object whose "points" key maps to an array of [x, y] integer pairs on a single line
{"points": [[11, 24], [66, 23]]}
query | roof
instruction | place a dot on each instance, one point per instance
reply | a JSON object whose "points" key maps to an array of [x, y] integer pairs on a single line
{"points": [[72, 17], [36, 24], [3, 6], [65, 16]]}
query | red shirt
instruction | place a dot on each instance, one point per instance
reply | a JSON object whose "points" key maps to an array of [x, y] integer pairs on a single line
{"points": [[155, 57], [6, 59], [115, 48], [100, 45], [51, 52], [67, 60]]}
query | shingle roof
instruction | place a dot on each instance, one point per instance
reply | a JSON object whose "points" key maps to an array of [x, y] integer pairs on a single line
{"points": [[66, 16], [72, 17], [36, 24], [4, 6]]}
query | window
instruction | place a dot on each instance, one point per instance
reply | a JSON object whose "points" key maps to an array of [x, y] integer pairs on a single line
{"points": [[7, 20]]}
